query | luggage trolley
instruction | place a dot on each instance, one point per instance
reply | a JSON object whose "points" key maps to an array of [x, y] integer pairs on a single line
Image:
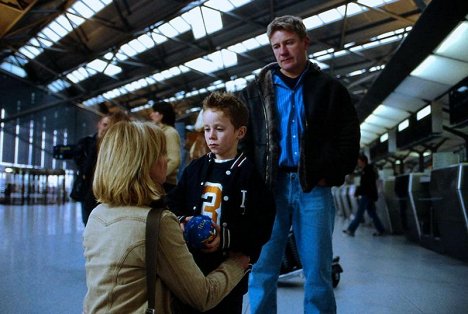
{"points": [[291, 265]]}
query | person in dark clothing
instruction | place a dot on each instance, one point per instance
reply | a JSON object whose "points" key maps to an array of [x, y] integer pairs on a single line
{"points": [[224, 185], [367, 191], [85, 156], [303, 138]]}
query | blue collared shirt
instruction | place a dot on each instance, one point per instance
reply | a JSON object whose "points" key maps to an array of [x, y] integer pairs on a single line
{"points": [[290, 109]]}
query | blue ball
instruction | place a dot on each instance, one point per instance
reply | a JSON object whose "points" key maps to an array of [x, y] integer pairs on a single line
{"points": [[199, 230]]}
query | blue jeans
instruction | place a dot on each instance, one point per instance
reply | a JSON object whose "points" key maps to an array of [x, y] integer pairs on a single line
{"points": [[312, 217], [366, 204]]}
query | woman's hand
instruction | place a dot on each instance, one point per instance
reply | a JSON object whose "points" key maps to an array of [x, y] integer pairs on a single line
{"points": [[241, 259]]}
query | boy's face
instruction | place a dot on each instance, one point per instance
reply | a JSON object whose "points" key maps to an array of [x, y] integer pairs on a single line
{"points": [[220, 135]]}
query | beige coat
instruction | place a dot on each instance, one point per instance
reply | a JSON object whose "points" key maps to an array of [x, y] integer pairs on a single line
{"points": [[114, 249], [173, 153]]}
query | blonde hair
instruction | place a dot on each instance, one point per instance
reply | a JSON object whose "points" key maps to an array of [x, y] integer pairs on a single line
{"points": [[126, 156]]}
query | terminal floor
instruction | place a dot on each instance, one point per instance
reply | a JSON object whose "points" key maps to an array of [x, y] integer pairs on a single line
{"points": [[42, 269]]}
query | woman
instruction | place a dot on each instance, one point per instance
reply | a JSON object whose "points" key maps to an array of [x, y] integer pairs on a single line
{"points": [[130, 171], [164, 116]]}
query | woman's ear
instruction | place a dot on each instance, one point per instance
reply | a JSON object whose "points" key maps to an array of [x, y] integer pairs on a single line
{"points": [[241, 132]]}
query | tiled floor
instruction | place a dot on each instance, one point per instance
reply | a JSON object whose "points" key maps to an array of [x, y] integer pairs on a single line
{"points": [[41, 269]]}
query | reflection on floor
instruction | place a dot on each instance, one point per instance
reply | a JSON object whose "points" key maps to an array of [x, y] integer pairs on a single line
{"points": [[41, 267]]}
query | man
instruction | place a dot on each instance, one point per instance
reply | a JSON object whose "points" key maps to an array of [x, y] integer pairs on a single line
{"points": [[85, 156], [304, 138], [369, 195]]}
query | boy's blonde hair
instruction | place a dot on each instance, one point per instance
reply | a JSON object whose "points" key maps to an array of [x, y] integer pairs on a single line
{"points": [[230, 105], [126, 155]]}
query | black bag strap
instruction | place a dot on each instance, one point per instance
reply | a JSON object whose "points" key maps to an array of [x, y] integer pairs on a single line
{"points": [[152, 237]]}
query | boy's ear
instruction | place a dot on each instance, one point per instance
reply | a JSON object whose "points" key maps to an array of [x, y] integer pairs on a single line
{"points": [[242, 132]]}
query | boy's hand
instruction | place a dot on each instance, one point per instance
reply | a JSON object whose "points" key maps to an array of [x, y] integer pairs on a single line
{"points": [[213, 244]]}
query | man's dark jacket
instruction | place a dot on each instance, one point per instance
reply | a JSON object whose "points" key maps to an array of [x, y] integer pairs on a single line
{"points": [[330, 142]]}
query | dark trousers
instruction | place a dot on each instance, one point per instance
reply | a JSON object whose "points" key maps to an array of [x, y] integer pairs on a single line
{"points": [[366, 204]]}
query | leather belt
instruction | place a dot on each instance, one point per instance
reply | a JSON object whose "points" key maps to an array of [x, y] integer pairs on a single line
{"points": [[288, 169]]}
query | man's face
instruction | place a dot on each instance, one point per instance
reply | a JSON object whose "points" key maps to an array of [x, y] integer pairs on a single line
{"points": [[290, 52], [102, 126]]}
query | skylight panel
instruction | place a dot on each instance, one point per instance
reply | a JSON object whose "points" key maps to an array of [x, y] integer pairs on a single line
{"points": [[194, 18], [26, 52], [352, 9], [239, 3], [158, 38], [13, 69], [221, 5], [74, 17], [251, 44], [179, 24], [128, 50], [45, 42], [65, 23], [174, 71], [168, 31], [109, 56], [57, 28], [263, 39], [146, 41], [97, 65], [212, 19], [238, 48], [121, 56], [137, 45], [158, 77], [112, 69], [82, 10], [202, 65], [229, 58], [357, 72], [330, 16], [371, 44], [58, 85], [372, 3], [312, 22], [96, 5], [75, 77], [50, 34]]}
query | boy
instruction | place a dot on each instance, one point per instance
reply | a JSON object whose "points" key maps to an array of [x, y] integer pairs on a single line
{"points": [[224, 185]]}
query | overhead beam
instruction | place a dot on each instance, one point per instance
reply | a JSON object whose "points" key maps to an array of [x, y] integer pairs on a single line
{"points": [[436, 22]]}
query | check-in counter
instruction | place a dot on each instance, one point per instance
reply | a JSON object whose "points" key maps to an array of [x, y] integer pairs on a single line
{"points": [[388, 196], [343, 195], [382, 209], [449, 189], [353, 201], [414, 198]]}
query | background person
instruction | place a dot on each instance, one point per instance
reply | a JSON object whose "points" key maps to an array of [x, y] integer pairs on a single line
{"points": [[164, 116], [85, 155], [127, 184], [304, 138], [367, 191]]}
